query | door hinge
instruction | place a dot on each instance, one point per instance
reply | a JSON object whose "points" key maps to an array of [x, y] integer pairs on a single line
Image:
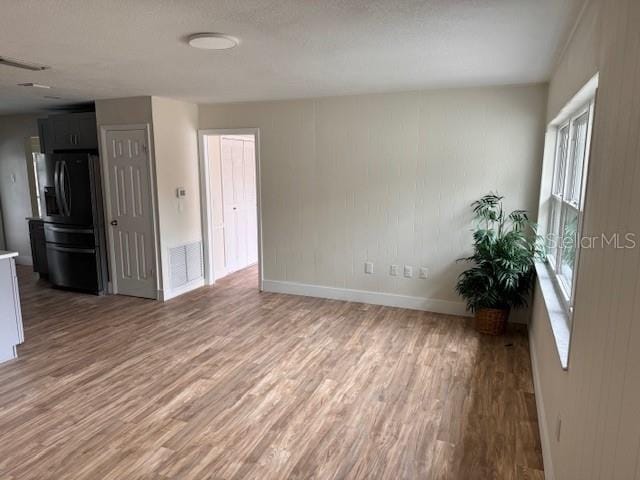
{"points": [[144, 148]]}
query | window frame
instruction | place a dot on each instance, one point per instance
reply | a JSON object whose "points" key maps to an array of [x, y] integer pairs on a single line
{"points": [[36, 182], [558, 201]]}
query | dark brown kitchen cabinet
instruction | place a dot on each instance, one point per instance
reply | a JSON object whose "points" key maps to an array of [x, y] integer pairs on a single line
{"points": [[44, 132], [72, 131], [38, 247]]}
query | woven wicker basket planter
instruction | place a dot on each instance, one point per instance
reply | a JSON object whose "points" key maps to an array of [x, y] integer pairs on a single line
{"points": [[491, 321]]}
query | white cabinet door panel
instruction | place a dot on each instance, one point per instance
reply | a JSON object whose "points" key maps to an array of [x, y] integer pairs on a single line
{"points": [[239, 199]]}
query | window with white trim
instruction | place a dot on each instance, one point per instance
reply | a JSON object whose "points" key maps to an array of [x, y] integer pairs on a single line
{"points": [[564, 229]]}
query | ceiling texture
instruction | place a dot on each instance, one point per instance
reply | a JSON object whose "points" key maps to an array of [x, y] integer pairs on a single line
{"points": [[289, 48]]}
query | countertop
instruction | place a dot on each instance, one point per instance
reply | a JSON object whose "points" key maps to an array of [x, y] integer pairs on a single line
{"points": [[5, 254]]}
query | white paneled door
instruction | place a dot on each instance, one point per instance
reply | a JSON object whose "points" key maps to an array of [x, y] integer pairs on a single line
{"points": [[239, 199], [130, 213]]}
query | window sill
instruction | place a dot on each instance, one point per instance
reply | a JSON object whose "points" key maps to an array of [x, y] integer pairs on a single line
{"points": [[558, 316]]}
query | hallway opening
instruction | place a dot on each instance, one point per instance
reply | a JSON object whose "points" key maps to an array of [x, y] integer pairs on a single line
{"points": [[230, 202]]}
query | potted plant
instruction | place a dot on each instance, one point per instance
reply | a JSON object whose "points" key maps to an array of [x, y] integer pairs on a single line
{"points": [[505, 248]]}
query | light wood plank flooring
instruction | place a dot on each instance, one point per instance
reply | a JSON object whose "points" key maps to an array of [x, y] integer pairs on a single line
{"points": [[229, 383]]}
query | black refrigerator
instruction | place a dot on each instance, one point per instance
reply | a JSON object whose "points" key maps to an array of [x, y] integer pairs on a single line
{"points": [[71, 201]]}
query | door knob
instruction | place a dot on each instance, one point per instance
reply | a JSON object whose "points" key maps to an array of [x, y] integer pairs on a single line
{"points": [[114, 222]]}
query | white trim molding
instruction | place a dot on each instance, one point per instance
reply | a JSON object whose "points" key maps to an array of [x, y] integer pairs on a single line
{"points": [[363, 296], [165, 295], [206, 202], [542, 417], [106, 200], [562, 48], [8, 352], [557, 313]]}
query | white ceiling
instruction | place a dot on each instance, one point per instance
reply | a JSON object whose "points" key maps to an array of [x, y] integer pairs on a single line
{"points": [[289, 48]]}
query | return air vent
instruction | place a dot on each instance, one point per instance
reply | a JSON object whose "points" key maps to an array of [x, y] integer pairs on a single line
{"points": [[12, 62], [186, 264]]}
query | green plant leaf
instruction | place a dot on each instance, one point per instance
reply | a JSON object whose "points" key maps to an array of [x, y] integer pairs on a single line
{"points": [[504, 251]]}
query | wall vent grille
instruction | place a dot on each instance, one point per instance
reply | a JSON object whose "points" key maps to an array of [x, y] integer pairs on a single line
{"points": [[186, 264]]}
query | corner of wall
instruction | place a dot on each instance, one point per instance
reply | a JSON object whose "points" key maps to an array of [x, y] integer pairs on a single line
{"points": [[543, 429], [175, 138]]}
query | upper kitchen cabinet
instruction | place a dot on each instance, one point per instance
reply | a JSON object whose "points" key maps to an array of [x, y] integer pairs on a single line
{"points": [[44, 132], [73, 131]]}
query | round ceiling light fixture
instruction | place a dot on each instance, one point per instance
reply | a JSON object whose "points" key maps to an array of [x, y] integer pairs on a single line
{"points": [[212, 41]]}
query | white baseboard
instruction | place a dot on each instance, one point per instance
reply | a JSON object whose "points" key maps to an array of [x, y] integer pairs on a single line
{"points": [[8, 352], [542, 417], [24, 260], [175, 292], [364, 296]]}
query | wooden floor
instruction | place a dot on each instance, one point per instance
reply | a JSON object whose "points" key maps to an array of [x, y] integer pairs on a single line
{"points": [[226, 382]]}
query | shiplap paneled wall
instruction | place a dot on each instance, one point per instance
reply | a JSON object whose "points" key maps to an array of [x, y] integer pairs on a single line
{"points": [[598, 398], [386, 178]]}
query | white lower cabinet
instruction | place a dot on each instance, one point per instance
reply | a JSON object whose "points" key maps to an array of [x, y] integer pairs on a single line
{"points": [[11, 333]]}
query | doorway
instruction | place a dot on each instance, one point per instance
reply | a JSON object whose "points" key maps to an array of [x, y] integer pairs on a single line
{"points": [[230, 186]]}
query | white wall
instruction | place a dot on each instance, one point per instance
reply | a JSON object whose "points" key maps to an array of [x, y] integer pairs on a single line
{"points": [[3, 245], [15, 198], [579, 60], [129, 111], [597, 398], [123, 111], [175, 129], [387, 178], [173, 125]]}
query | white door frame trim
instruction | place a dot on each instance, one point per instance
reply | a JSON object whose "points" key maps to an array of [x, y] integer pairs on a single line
{"points": [[205, 197], [106, 198]]}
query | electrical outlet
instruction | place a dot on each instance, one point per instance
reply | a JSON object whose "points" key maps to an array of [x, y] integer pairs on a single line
{"points": [[424, 272], [393, 271], [368, 267], [408, 271]]}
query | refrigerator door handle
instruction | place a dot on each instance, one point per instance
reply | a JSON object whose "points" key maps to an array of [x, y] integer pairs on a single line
{"points": [[56, 185], [64, 185], [71, 249], [68, 230]]}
